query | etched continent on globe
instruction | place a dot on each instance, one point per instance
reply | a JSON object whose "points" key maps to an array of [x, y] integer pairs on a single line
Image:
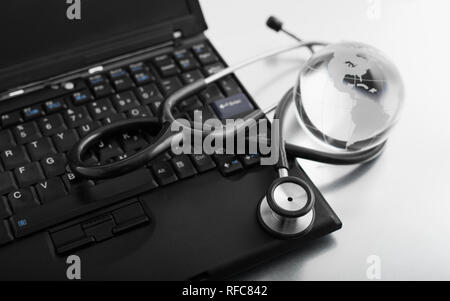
{"points": [[351, 74], [348, 97]]}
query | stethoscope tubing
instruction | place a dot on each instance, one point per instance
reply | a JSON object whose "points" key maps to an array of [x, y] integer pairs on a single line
{"points": [[163, 140]]}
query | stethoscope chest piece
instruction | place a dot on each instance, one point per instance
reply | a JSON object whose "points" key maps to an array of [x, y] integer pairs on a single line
{"points": [[287, 211]]}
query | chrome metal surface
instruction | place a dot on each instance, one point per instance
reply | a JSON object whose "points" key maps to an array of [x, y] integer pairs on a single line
{"points": [[283, 172], [283, 225], [290, 196]]}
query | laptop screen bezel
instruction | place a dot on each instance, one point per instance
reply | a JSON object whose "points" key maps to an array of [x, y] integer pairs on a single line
{"points": [[25, 73]]}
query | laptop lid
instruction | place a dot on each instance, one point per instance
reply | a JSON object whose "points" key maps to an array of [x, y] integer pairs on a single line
{"points": [[41, 39]]}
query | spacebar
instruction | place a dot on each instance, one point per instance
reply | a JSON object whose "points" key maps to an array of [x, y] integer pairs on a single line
{"points": [[73, 206]]}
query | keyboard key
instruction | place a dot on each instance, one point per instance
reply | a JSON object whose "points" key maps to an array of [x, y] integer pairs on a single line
{"points": [[188, 64], [166, 156], [120, 157], [101, 109], [123, 83], [154, 106], [112, 119], [190, 104], [108, 150], [53, 106], [161, 60], [171, 85], [192, 76], [14, 157], [205, 113], [200, 48], [89, 157], [6, 139], [232, 106], [7, 182], [183, 166], [87, 128], [138, 67], [52, 124], [149, 93], [118, 73], [211, 94], [30, 113], [182, 54], [54, 165], [5, 233], [103, 90], [65, 140], [74, 183], [228, 164], [77, 116], [29, 174], [97, 79], [139, 112], [250, 160], [26, 132], [207, 57], [82, 97], [50, 190], [142, 78], [125, 101], [203, 162], [163, 172], [22, 200], [132, 142], [168, 69], [229, 86], [214, 68], [40, 148], [10, 119], [5, 210]]}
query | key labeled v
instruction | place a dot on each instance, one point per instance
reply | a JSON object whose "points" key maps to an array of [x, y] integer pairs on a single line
{"points": [[44, 184]]}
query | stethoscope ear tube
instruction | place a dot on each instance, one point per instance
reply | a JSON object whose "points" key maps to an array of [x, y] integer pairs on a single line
{"points": [[95, 171], [335, 159]]}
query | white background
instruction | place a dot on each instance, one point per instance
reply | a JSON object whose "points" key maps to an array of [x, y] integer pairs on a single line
{"points": [[398, 207]]}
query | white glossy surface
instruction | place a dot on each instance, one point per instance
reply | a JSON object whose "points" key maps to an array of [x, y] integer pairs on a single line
{"points": [[397, 207]]}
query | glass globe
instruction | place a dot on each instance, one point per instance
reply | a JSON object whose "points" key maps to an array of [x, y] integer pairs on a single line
{"points": [[348, 96]]}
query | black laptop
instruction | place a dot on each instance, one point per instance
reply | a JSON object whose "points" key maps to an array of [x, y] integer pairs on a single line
{"points": [[67, 68]]}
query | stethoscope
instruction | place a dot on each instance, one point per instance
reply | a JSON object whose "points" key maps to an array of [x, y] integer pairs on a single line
{"points": [[287, 210]]}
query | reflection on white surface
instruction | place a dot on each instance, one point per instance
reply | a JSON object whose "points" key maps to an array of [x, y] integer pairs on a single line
{"points": [[397, 207]]}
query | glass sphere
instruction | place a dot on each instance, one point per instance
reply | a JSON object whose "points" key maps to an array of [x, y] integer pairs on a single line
{"points": [[349, 96]]}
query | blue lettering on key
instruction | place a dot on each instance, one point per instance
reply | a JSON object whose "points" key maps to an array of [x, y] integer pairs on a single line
{"points": [[96, 81], [232, 106], [137, 67], [54, 105], [80, 97], [119, 73], [22, 223], [142, 77], [31, 113]]}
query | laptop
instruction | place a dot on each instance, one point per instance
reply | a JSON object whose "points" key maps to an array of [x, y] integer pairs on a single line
{"points": [[69, 67]]}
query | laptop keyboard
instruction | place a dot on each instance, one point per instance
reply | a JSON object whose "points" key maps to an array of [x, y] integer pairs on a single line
{"points": [[38, 190]]}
